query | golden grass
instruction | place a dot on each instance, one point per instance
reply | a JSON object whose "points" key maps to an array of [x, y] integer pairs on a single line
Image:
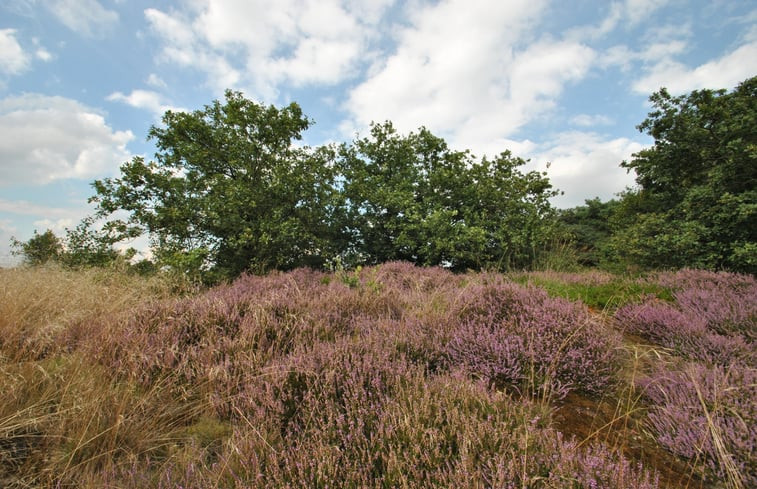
{"points": [[63, 417], [37, 304]]}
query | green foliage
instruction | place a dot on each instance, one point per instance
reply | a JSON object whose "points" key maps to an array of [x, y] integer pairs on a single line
{"points": [[589, 229], [86, 246], [696, 205], [82, 246], [412, 198], [597, 290], [229, 190], [40, 249]]}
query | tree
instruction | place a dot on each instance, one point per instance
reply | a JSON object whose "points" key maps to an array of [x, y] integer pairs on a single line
{"points": [[696, 204], [588, 228], [40, 249], [412, 198], [83, 246], [228, 191]]}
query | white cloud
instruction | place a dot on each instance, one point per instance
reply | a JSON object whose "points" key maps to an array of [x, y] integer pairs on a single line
{"points": [[184, 47], [145, 99], [85, 17], [7, 231], [26, 208], [586, 120], [628, 14], [58, 226], [258, 44], [460, 69], [52, 138], [585, 165], [155, 81], [13, 59], [724, 72], [43, 54], [40, 52], [663, 43], [639, 10]]}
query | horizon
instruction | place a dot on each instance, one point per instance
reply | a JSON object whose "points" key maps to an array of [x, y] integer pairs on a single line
{"points": [[563, 84]]}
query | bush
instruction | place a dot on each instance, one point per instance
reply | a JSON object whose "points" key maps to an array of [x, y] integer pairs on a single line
{"points": [[709, 416]]}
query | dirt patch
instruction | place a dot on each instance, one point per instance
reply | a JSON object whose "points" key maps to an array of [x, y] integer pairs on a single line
{"points": [[589, 421]]}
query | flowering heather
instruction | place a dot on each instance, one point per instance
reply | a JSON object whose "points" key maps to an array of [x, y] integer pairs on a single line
{"points": [[709, 416], [511, 335], [727, 302], [445, 431], [712, 319], [387, 376], [667, 325]]}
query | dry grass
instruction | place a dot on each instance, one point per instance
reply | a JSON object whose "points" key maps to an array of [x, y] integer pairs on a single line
{"points": [[109, 380], [37, 305], [61, 415]]}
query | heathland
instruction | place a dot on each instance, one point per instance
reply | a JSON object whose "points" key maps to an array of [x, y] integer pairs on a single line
{"points": [[385, 376]]}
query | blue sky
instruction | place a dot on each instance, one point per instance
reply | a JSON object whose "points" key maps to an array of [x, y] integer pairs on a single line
{"points": [[563, 83]]}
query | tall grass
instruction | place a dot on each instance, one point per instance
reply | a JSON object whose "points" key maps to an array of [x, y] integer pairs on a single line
{"points": [[389, 376], [38, 305]]}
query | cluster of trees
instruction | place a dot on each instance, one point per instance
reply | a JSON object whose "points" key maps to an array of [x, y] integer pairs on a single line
{"points": [[230, 190], [695, 204]]}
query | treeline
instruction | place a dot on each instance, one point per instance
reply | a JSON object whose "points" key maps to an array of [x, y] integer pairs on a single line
{"points": [[231, 190], [695, 204]]}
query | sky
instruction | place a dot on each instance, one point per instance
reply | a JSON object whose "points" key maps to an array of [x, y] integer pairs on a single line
{"points": [[561, 83]]}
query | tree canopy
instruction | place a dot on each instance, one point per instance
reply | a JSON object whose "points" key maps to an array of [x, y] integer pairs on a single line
{"points": [[230, 191], [696, 205], [413, 198], [39, 249]]}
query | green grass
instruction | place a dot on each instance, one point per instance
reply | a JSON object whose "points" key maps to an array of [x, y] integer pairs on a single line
{"points": [[599, 291]]}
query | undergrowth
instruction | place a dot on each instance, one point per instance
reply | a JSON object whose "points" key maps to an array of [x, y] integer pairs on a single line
{"points": [[388, 376]]}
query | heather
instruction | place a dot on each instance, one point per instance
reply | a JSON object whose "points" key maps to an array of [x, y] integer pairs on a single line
{"points": [[385, 376], [516, 336], [709, 416], [712, 316], [702, 405]]}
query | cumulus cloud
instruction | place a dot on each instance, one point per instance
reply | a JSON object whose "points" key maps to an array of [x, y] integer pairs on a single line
{"points": [[724, 72], [13, 59], [53, 138], [86, 17], [475, 89], [258, 44], [145, 99], [585, 165]]}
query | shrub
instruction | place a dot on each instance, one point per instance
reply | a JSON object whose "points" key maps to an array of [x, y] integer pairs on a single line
{"points": [[520, 336], [709, 416], [713, 317]]}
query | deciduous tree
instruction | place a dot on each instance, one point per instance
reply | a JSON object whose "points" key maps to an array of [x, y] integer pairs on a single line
{"points": [[696, 204]]}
